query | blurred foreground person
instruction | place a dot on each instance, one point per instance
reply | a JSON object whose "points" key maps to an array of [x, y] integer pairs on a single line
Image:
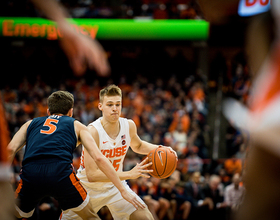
{"points": [[81, 50], [6, 198], [262, 119]]}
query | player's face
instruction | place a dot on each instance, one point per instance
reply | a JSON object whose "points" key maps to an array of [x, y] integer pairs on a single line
{"points": [[111, 107]]}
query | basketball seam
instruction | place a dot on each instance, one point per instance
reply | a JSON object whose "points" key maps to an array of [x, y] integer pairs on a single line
{"points": [[165, 162], [155, 153], [172, 169]]}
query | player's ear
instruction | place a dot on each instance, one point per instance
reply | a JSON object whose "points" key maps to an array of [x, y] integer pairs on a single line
{"points": [[48, 111], [100, 106], [70, 112]]}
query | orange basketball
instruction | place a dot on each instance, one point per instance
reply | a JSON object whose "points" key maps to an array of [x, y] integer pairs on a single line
{"points": [[164, 162]]}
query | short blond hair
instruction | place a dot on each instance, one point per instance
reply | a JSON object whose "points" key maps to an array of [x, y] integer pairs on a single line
{"points": [[111, 90]]}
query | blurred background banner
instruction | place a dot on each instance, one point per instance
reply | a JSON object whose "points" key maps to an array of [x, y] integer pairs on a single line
{"points": [[111, 29], [253, 7]]}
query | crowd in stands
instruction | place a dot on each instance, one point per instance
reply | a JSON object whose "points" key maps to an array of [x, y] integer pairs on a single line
{"points": [[237, 86], [170, 111], [153, 9]]}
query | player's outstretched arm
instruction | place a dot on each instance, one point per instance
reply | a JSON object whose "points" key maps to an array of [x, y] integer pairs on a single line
{"points": [[139, 146], [18, 141], [103, 163]]}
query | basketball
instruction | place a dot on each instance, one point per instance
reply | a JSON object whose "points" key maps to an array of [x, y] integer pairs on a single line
{"points": [[164, 162]]}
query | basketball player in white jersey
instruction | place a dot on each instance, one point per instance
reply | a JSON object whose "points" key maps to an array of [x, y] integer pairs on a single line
{"points": [[113, 135]]}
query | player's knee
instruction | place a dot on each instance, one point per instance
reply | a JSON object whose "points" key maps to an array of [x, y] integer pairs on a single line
{"points": [[141, 214]]}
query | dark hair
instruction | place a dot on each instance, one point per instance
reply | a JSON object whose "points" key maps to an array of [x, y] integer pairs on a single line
{"points": [[60, 102]]}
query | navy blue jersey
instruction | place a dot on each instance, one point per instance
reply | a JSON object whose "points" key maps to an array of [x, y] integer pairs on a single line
{"points": [[50, 137]]}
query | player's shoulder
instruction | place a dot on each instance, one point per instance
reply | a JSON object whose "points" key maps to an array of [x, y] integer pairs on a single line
{"points": [[132, 127], [131, 123], [93, 131], [26, 124], [35, 121], [92, 128]]}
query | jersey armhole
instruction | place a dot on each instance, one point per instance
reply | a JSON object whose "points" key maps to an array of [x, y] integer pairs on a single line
{"points": [[78, 142], [97, 143]]}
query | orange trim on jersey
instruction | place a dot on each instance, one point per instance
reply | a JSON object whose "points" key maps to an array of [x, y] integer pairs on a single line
{"points": [[4, 134], [83, 159], [76, 182], [261, 103], [18, 189]]}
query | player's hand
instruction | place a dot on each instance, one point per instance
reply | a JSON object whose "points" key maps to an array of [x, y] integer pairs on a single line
{"points": [[83, 52], [171, 149], [132, 199], [140, 169]]}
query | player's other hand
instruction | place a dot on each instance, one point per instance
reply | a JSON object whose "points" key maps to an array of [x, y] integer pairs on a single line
{"points": [[83, 52], [171, 149], [132, 199], [141, 170]]}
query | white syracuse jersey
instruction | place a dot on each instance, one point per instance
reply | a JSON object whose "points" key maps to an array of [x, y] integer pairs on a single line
{"points": [[114, 149]]}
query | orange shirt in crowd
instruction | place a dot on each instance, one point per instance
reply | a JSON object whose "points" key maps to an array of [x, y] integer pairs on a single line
{"points": [[233, 165], [184, 120]]}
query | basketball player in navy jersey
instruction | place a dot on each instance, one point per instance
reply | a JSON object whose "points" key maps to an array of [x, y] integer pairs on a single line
{"points": [[46, 166]]}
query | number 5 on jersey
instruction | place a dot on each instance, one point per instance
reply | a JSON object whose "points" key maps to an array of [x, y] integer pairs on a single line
{"points": [[52, 127], [116, 163]]}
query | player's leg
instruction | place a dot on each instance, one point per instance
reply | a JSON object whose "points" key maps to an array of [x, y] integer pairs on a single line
{"points": [[123, 210], [96, 200], [87, 213], [71, 195], [141, 214], [79, 215], [27, 196]]}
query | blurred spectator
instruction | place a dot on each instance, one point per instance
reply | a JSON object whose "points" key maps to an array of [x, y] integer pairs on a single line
{"points": [[180, 205], [233, 141], [234, 193], [194, 162], [155, 190], [242, 153], [144, 191], [199, 203], [215, 192], [180, 140], [225, 178]]}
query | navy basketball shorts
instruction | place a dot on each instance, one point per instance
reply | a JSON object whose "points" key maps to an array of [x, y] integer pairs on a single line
{"points": [[55, 179]]}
